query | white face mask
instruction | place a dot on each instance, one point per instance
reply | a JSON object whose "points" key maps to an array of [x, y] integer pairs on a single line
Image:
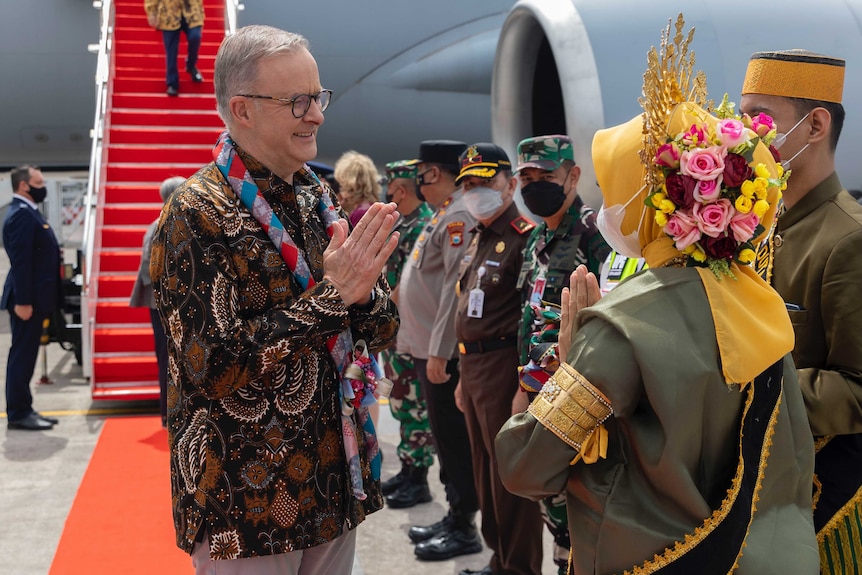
{"points": [[781, 138], [483, 202], [610, 221]]}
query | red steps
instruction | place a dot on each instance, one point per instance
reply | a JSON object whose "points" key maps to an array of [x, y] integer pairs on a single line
{"points": [[160, 135], [119, 312], [118, 260], [166, 118], [151, 137]]}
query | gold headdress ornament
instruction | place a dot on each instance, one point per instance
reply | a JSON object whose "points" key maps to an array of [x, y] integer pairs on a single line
{"points": [[668, 81], [636, 163]]}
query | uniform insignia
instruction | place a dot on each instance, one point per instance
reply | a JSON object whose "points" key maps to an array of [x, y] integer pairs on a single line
{"points": [[471, 156], [416, 254], [434, 221], [495, 279], [456, 233], [500, 247], [421, 238], [46, 226], [522, 224]]}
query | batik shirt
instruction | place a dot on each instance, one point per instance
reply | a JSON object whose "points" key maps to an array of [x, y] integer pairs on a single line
{"points": [[257, 459]]}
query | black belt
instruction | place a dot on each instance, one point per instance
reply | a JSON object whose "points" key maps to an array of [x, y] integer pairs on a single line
{"points": [[486, 345]]}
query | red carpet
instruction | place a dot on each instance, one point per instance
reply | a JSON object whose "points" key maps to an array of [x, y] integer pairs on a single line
{"points": [[120, 521]]}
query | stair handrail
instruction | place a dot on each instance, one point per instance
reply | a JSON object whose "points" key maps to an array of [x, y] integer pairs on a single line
{"points": [[94, 182], [231, 9]]}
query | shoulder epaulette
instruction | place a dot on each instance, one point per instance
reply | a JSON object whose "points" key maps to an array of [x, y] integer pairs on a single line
{"points": [[522, 224]]}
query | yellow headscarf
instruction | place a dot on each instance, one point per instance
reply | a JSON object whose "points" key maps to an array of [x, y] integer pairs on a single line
{"points": [[752, 327]]}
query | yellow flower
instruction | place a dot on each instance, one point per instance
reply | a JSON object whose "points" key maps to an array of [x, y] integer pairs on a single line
{"points": [[658, 198], [760, 193], [699, 255], [746, 256], [780, 169], [761, 171], [667, 206], [747, 188], [660, 219], [760, 184], [760, 208], [743, 204], [688, 249]]}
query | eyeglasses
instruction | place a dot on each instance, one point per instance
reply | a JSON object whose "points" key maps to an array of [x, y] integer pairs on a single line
{"points": [[300, 104]]}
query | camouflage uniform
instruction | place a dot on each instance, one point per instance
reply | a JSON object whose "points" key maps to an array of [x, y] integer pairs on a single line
{"points": [[549, 259], [415, 449]]}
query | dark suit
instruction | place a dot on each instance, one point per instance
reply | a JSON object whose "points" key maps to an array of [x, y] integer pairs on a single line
{"points": [[33, 279]]}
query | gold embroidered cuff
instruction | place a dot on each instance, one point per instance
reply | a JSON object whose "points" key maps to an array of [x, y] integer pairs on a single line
{"points": [[570, 407]]}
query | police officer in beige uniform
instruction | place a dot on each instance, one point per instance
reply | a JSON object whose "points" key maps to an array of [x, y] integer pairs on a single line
{"points": [[427, 311], [489, 307]]}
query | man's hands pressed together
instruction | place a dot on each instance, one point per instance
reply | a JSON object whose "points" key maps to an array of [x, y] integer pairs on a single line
{"points": [[353, 261]]}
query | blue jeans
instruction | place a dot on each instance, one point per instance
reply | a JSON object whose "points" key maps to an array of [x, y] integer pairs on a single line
{"points": [[171, 39]]}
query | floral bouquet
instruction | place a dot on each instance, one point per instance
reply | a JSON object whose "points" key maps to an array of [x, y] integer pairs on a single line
{"points": [[711, 195]]}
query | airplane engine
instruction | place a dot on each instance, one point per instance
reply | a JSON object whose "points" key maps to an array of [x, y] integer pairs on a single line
{"points": [[576, 66]]}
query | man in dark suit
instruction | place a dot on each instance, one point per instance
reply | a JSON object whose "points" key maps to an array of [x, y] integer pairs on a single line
{"points": [[31, 292]]}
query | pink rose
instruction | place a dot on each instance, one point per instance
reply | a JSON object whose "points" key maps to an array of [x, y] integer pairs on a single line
{"points": [[731, 132], [712, 219], [703, 163], [707, 190], [695, 136], [743, 225], [762, 124], [683, 229], [668, 155]]}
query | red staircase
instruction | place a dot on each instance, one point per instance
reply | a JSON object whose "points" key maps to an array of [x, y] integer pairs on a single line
{"points": [[149, 137]]}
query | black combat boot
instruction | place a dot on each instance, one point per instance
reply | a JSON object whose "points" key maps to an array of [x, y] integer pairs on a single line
{"points": [[392, 484], [462, 538], [412, 491], [420, 533]]}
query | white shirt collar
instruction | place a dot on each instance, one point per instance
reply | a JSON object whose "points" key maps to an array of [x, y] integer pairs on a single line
{"points": [[27, 201]]}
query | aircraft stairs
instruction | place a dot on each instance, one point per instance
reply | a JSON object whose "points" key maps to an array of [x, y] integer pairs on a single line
{"points": [[144, 137]]}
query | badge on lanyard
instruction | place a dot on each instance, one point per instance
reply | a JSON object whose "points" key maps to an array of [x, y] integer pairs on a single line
{"points": [[476, 303], [538, 290]]}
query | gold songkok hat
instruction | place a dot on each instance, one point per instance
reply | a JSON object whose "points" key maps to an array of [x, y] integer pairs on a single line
{"points": [[795, 74]]}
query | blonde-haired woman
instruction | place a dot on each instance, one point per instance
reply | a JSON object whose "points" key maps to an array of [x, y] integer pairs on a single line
{"points": [[358, 184]]}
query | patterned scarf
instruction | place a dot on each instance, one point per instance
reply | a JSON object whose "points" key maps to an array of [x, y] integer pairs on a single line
{"points": [[340, 346]]}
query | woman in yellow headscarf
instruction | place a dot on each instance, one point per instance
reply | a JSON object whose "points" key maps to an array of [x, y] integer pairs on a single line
{"points": [[676, 426]]}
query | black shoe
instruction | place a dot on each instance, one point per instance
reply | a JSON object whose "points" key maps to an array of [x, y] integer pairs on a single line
{"points": [[419, 533], [196, 75], [173, 91], [392, 484], [31, 423], [51, 420], [450, 544], [486, 570], [413, 491]]}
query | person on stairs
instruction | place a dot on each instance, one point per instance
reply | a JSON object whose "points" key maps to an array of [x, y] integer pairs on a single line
{"points": [[173, 17]]}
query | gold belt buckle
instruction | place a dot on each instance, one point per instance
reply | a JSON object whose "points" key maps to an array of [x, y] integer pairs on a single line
{"points": [[462, 348]]}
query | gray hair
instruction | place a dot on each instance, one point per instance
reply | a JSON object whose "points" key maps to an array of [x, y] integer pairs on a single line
{"points": [[169, 186], [236, 63]]}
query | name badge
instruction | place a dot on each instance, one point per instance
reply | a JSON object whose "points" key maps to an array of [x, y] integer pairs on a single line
{"points": [[476, 303], [538, 291]]}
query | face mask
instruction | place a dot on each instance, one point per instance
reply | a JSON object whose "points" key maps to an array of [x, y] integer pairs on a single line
{"points": [[610, 221], [543, 198], [483, 202], [420, 181], [38, 194], [781, 138]]}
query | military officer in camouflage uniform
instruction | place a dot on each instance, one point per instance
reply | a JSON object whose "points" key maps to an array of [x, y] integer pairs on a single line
{"points": [[427, 309], [566, 238], [406, 401]]}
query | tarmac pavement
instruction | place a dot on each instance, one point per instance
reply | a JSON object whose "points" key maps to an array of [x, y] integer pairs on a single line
{"points": [[40, 473]]}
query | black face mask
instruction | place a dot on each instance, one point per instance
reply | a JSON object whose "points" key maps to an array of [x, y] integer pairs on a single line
{"points": [[38, 194], [420, 181], [543, 198]]}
